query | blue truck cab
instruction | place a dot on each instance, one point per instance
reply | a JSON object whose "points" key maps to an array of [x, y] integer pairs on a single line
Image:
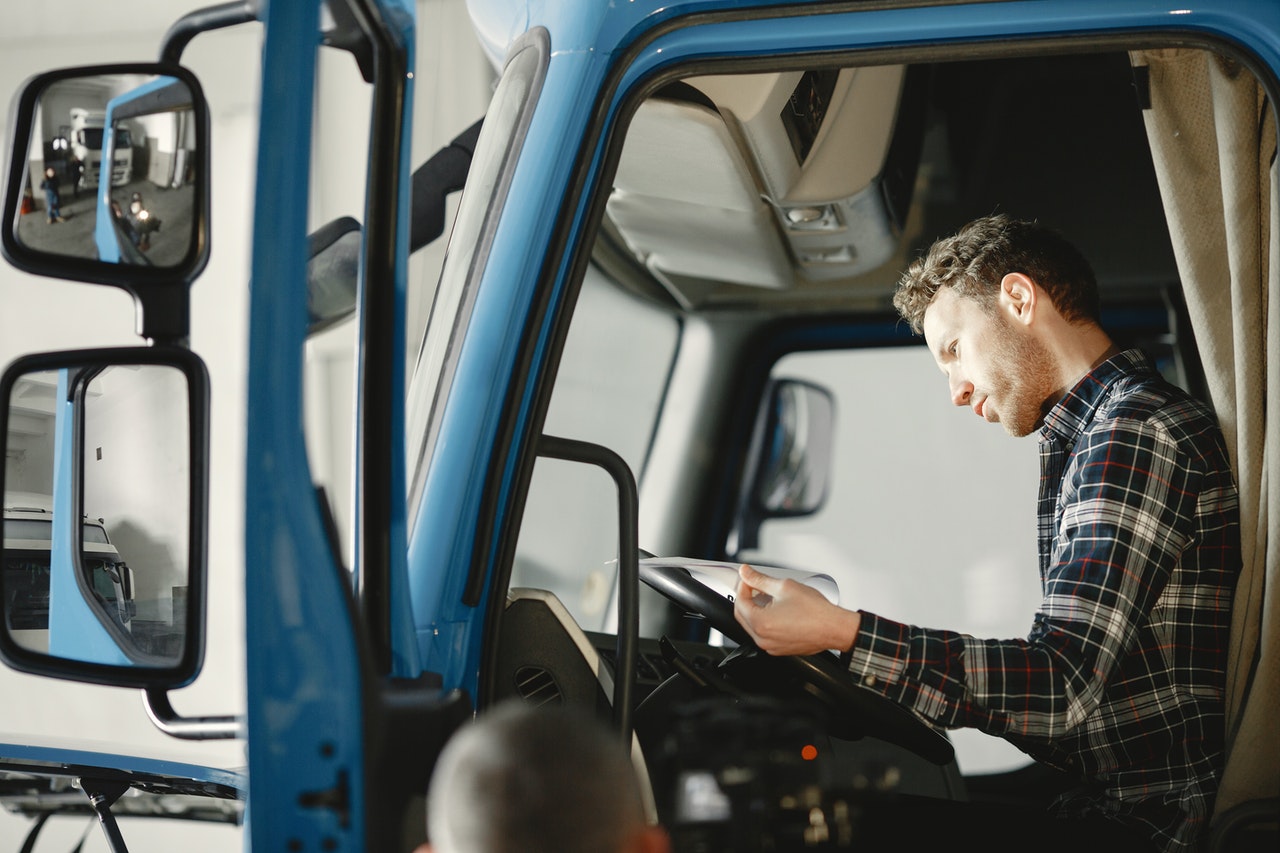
{"points": [[660, 342]]}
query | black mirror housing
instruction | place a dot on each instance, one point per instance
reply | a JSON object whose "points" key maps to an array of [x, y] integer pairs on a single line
{"points": [[107, 182], [789, 460], [104, 533]]}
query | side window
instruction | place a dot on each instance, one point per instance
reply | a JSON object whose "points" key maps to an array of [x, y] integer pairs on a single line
{"points": [[609, 390], [338, 157], [482, 201], [930, 515]]}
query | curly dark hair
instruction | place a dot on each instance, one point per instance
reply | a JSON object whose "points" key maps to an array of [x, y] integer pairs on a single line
{"points": [[979, 255]]}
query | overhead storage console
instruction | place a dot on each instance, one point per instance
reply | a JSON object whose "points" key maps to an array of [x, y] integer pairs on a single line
{"points": [[782, 176]]}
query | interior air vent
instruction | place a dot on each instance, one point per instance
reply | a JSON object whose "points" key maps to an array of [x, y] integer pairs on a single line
{"points": [[543, 657], [538, 686]]}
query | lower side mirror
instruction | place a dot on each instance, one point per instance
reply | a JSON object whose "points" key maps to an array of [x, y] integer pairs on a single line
{"points": [[105, 481]]}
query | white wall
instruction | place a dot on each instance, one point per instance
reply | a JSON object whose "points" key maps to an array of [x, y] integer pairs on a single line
{"points": [[137, 475], [41, 314]]}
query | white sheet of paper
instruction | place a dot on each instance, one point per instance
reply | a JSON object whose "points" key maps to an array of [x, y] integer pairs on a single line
{"points": [[723, 576]]}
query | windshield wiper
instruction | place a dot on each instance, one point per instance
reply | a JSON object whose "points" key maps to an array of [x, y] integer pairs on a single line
{"points": [[102, 793]]}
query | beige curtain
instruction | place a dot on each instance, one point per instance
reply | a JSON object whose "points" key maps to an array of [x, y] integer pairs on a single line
{"points": [[1213, 138]]}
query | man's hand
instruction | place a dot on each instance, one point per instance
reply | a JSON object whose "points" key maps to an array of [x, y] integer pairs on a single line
{"points": [[785, 617]]}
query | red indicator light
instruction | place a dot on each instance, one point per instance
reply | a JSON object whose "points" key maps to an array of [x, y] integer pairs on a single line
{"points": [[809, 752]]}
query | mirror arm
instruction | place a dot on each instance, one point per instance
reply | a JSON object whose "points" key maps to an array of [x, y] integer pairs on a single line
{"points": [[187, 728], [445, 172], [199, 21]]}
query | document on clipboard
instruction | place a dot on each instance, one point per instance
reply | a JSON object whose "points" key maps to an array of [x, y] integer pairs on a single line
{"points": [[722, 577]]}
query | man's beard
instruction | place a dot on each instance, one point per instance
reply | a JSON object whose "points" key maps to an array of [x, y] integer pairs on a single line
{"points": [[1023, 381]]}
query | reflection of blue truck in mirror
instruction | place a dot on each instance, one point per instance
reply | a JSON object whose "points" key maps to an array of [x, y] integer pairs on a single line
{"points": [[123, 227], [673, 216]]}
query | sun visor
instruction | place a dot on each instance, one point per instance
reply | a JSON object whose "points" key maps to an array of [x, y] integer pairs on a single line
{"points": [[686, 203]]}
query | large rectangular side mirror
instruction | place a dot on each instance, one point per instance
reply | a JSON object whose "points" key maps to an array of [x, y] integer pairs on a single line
{"points": [[108, 182], [104, 529]]}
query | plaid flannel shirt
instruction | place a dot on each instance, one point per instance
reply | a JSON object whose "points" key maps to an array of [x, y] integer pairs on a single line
{"points": [[1121, 679]]}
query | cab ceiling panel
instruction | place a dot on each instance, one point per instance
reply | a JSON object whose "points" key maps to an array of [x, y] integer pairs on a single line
{"points": [[804, 189]]}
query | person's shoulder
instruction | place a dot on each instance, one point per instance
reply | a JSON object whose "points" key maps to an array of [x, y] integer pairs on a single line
{"points": [[1147, 400]]}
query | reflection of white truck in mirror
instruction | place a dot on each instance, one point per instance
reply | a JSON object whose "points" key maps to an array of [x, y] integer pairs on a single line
{"points": [[86, 144], [28, 538]]}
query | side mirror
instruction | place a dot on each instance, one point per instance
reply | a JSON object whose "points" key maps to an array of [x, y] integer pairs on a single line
{"points": [[108, 181], [789, 462], [333, 273], [105, 481]]}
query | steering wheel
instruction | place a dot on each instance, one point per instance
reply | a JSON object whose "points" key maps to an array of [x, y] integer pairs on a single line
{"points": [[821, 674]]}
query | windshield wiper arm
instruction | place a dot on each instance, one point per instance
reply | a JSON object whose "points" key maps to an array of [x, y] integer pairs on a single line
{"points": [[102, 793]]}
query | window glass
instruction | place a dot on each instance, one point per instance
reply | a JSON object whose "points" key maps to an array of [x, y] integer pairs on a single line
{"points": [[930, 517], [17, 528], [338, 176], [609, 391], [482, 200]]}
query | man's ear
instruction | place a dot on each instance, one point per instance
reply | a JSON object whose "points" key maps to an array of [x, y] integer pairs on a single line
{"points": [[1019, 297]]}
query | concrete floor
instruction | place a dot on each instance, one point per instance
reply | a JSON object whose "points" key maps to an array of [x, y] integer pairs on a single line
{"points": [[75, 236]]}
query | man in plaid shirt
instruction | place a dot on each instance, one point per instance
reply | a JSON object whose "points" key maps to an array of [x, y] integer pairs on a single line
{"points": [[1120, 681]]}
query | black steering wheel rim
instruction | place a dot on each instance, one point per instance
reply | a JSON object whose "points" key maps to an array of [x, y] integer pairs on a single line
{"points": [[882, 717]]}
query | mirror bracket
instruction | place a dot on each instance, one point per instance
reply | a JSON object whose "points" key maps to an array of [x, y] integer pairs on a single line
{"points": [[205, 20], [348, 32], [163, 313], [167, 720]]}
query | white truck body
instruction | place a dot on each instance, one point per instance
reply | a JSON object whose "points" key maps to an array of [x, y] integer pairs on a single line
{"points": [[86, 144]]}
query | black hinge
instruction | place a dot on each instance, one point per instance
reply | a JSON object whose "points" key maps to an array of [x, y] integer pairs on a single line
{"points": [[336, 799]]}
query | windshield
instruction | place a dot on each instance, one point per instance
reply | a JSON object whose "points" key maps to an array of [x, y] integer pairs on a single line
{"points": [[26, 589], [26, 584], [91, 137], [21, 528], [701, 296]]}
